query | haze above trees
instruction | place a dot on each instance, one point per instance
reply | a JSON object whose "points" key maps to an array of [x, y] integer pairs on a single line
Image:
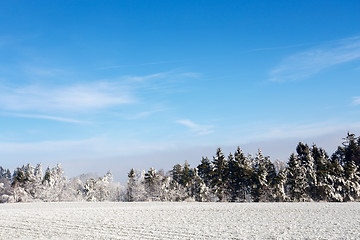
{"points": [[309, 175]]}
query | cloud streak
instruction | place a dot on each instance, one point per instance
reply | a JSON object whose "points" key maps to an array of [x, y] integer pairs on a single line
{"points": [[304, 130], [198, 129], [356, 100], [129, 65], [305, 64], [46, 117], [148, 77], [65, 98]]}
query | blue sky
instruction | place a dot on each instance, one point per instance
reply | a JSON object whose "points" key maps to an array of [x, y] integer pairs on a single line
{"points": [[99, 85]]}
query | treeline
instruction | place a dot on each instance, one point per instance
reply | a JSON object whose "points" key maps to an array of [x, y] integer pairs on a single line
{"points": [[28, 184], [309, 175]]}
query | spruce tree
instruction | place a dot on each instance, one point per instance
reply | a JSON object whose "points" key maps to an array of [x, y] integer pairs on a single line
{"points": [[308, 164], [323, 189], [219, 176], [296, 179], [232, 184], [243, 174], [130, 186], [263, 179], [205, 170]]}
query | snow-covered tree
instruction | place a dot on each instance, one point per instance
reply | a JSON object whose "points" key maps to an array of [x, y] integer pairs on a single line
{"points": [[242, 174], [102, 189], [205, 170], [352, 182], [199, 191], [308, 163], [219, 175], [263, 178], [131, 186], [153, 185], [296, 184], [54, 184]]}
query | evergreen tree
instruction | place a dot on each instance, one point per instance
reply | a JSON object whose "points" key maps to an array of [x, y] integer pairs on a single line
{"points": [[5, 173], [130, 186], [152, 183], [308, 163], [352, 183], [187, 174], [336, 179], [232, 180], [54, 184], [280, 180], [243, 175], [351, 150], [296, 180], [219, 176], [263, 179], [199, 191], [205, 171], [176, 173], [323, 189], [136, 186]]}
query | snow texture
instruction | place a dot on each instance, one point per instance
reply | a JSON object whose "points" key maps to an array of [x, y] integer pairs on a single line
{"points": [[164, 220]]}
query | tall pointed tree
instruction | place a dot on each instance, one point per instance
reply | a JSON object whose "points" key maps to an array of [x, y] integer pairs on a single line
{"points": [[220, 173], [308, 163]]}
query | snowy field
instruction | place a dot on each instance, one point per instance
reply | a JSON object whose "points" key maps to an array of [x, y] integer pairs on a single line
{"points": [[159, 220]]}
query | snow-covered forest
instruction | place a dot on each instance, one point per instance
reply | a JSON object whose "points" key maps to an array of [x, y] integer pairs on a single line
{"points": [[309, 175]]}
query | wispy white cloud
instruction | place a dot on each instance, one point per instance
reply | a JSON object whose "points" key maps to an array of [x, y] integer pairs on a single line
{"points": [[356, 100], [63, 98], [147, 77], [46, 117], [128, 65], [144, 114], [310, 62], [167, 76], [66, 150], [44, 72], [282, 47], [303, 130], [162, 82], [58, 102], [198, 129], [191, 74]]}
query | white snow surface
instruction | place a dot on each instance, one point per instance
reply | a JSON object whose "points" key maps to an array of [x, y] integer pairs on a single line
{"points": [[186, 220]]}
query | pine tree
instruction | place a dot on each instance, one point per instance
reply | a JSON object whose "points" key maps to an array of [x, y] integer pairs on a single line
{"points": [[280, 180], [136, 186], [205, 171], [263, 179], [336, 179], [352, 184], [187, 174], [176, 173], [152, 183], [219, 176], [18, 183], [351, 149], [130, 186], [243, 175], [296, 180], [324, 189], [307, 162], [199, 191], [54, 184], [232, 181], [6, 192]]}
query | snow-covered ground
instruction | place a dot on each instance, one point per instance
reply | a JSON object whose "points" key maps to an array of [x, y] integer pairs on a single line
{"points": [[159, 220]]}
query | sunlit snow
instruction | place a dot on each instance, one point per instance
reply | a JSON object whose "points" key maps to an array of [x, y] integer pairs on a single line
{"points": [[164, 220]]}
